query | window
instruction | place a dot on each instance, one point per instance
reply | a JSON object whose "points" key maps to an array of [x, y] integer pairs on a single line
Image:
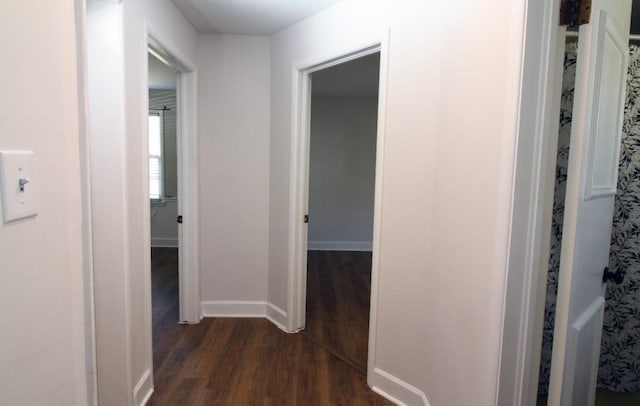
{"points": [[155, 156]]}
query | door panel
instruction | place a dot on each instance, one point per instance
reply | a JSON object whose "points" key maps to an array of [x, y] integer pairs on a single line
{"points": [[591, 185]]}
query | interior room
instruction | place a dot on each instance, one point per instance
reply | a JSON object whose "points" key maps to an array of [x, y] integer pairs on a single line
{"points": [[163, 200], [343, 135]]}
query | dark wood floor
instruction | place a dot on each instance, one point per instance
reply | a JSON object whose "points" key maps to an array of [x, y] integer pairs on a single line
{"points": [[241, 361], [338, 295]]}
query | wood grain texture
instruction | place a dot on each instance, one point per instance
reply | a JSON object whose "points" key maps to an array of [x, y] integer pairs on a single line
{"points": [[241, 361], [338, 297]]}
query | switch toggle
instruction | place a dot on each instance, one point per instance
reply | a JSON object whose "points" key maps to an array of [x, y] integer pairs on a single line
{"points": [[22, 182], [17, 185]]}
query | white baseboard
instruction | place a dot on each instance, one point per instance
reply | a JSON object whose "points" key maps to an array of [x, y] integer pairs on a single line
{"points": [[396, 390], [339, 245], [232, 308], [277, 316], [143, 389], [161, 242]]}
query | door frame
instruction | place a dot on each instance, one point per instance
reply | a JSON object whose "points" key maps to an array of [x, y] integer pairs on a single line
{"points": [[187, 163], [299, 181], [534, 179]]}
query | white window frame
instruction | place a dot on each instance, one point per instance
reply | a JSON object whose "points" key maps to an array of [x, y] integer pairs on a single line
{"points": [[160, 198]]}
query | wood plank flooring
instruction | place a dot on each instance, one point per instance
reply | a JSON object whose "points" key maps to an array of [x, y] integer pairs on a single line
{"points": [[241, 361], [338, 295]]}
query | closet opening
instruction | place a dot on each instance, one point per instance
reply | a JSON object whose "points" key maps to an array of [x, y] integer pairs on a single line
{"points": [[341, 194]]}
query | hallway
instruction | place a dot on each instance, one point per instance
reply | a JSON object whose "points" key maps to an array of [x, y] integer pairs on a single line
{"points": [[240, 361]]}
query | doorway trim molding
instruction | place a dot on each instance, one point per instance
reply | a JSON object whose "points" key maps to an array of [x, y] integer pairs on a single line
{"points": [[534, 177], [299, 179], [187, 162]]}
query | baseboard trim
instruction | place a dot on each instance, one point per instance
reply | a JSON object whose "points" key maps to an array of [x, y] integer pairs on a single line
{"points": [[340, 245], [277, 316], [164, 242], [235, 308], [232, 308], [143, 389], [396, 390]]}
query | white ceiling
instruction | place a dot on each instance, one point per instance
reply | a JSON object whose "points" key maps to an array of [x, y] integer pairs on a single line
{"points": [[248, 17], [161, 76], [359, 77]]}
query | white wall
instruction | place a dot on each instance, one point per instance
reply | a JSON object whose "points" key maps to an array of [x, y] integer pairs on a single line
{"points": [[342, 172], [42, 354], [121, 202], [164, 224], [448, 163], [234, 172]]}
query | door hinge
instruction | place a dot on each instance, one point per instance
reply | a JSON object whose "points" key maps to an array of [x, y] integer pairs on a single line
{"points": [[574, 13], [179, 219], [306, 218]]}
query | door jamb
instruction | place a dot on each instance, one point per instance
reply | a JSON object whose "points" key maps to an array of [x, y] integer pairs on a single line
{"points": [[299, 182], [91, 391], [525, 296]]}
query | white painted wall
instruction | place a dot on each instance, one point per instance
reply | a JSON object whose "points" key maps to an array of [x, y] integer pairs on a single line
{"points": [[42, 350], [164, 224], [448, 164], [121, 204], [342, 172], [234, 169]]}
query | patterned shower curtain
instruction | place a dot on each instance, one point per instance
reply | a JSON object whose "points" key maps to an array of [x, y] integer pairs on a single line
{"points": [[620, 349]]}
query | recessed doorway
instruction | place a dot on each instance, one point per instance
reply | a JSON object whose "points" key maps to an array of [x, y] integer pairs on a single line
{"points": [[341, 193]]}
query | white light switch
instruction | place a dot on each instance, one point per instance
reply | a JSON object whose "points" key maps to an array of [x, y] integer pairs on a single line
{"points": [[17, 185]]}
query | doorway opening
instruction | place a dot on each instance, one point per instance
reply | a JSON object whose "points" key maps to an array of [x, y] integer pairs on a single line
{"points": [[163, 201], [618, 382], [173, 296], [341, 194]]}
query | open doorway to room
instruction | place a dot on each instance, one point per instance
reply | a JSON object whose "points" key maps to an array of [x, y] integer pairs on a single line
{"points": [[163, 201], [341, 193]]}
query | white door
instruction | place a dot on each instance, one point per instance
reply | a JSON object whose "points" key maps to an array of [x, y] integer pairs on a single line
{"points": [[591, 186]]}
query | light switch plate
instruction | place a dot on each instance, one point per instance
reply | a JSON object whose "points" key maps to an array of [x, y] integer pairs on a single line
{"points": [[17, 185]]}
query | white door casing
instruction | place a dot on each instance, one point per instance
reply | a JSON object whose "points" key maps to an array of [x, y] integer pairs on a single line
{"points": [[591, 184], [186, 143]]}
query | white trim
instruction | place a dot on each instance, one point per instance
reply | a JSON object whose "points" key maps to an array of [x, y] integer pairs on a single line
{"points": [[187, 147], [396, 390], [163, 242], [539, 106], [188, 195], [143, 389], [340, 245], [84, 135], [277, 316], [234, 308], [111, 262], [246, 308]]}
